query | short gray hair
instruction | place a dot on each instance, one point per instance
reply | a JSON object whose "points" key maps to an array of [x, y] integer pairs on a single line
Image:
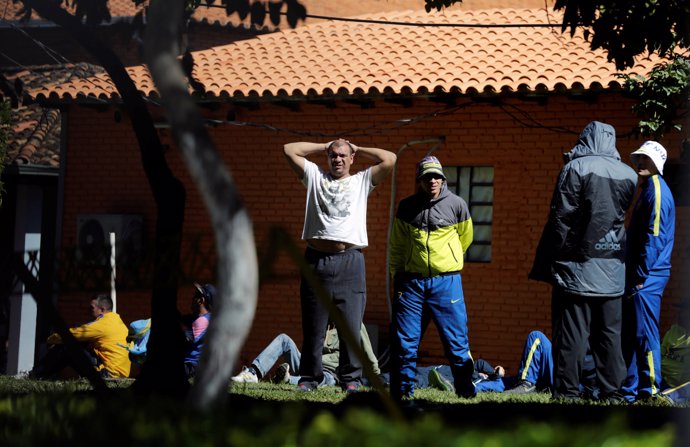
{"points": [[104, 301]]}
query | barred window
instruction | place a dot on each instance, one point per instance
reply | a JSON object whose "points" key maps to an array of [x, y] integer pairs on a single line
{"points": [[475, 184]]}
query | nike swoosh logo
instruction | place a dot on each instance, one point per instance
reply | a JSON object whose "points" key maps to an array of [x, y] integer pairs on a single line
{"points": [[454, 301]]}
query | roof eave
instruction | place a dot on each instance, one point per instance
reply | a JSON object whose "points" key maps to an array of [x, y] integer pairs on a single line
{"points": [[30, 170], [575, 92]]}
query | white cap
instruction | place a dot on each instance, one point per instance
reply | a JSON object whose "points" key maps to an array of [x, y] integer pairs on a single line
{"points": [[655, 151]]}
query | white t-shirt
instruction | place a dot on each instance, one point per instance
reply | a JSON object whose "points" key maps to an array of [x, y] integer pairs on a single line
{"points": [[336, 210]]}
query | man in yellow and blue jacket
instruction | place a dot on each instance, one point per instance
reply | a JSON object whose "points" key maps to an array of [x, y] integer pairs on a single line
{"points": [[431, 232], [648, 267]]}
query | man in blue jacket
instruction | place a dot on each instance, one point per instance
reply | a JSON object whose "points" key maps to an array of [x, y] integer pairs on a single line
{"points": [[431, 232], [648, 267], [582, 255]]}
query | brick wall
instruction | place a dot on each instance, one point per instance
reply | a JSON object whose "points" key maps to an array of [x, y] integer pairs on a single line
{"points": [[104, 175]]}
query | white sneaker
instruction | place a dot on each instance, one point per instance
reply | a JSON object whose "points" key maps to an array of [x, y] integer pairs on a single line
{"points": [[245, 376]]}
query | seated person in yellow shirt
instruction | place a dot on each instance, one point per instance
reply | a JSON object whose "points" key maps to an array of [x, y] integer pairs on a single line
{"points": [[105, 339]]}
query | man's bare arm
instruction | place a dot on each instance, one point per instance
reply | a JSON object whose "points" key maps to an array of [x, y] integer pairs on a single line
{"points": [[296, 153], [386, 162]]}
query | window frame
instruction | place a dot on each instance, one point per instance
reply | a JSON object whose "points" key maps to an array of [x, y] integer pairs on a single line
{"points": [[460, 173]]}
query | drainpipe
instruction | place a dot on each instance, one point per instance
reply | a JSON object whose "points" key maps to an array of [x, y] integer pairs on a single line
{"points": [[113, 274], [391, 211]]}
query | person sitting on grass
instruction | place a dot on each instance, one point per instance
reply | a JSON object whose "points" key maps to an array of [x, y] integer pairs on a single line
{"points": [[104, 338], [283, 346], [196, 325]]}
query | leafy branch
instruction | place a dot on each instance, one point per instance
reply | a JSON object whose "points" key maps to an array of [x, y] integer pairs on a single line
{"points": [[663, 96]]}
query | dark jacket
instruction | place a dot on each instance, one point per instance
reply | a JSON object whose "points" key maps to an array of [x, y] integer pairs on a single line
{"points": [[582, 247]]}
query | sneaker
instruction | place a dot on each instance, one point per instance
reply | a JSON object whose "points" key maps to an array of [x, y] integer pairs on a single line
{"points": [[245, 376], [23, 375], [523, 387], [436, 380], [282, 374], [306, 387], [352, 388]]}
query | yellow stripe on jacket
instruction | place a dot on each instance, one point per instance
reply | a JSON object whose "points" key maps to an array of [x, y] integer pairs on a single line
{"points": [[528, 362], [657, 204]]}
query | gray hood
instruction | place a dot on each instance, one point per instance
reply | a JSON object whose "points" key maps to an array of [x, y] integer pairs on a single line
{"points": [[596, 139]]}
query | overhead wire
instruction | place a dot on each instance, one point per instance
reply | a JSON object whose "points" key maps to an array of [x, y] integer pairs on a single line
{"points": [[378, 128], [433, 25], [49, 51], [527, 120], [62, 60], [416, 24], [56, 56]]}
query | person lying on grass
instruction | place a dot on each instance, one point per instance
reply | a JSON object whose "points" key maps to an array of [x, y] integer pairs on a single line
{"points": [[284, 347]]}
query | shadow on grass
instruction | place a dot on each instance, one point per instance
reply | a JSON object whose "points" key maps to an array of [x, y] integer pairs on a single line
{"points": [[80, 417]]}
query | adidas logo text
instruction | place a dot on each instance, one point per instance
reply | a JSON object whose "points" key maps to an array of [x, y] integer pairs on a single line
{"points": [[608, 242]]}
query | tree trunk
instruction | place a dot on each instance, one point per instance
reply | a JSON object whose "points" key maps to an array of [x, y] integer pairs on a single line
{"points": [[237, 262], [163, 372]]}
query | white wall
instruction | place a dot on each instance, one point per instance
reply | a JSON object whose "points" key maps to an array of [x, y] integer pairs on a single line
{"points": [[23, 309]]}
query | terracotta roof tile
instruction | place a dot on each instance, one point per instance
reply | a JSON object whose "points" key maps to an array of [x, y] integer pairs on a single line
{"points": [[35, 135], [330, 57]]}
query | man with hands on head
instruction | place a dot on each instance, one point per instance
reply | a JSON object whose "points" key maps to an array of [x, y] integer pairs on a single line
{"points": [[335, 232]]}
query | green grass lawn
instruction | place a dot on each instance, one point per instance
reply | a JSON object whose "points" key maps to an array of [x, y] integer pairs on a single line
{"points": [[68, 413], [430, 396]]}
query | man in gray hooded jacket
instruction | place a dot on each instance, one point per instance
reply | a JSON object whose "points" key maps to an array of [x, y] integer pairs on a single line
{"points": [[582, 255]]}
